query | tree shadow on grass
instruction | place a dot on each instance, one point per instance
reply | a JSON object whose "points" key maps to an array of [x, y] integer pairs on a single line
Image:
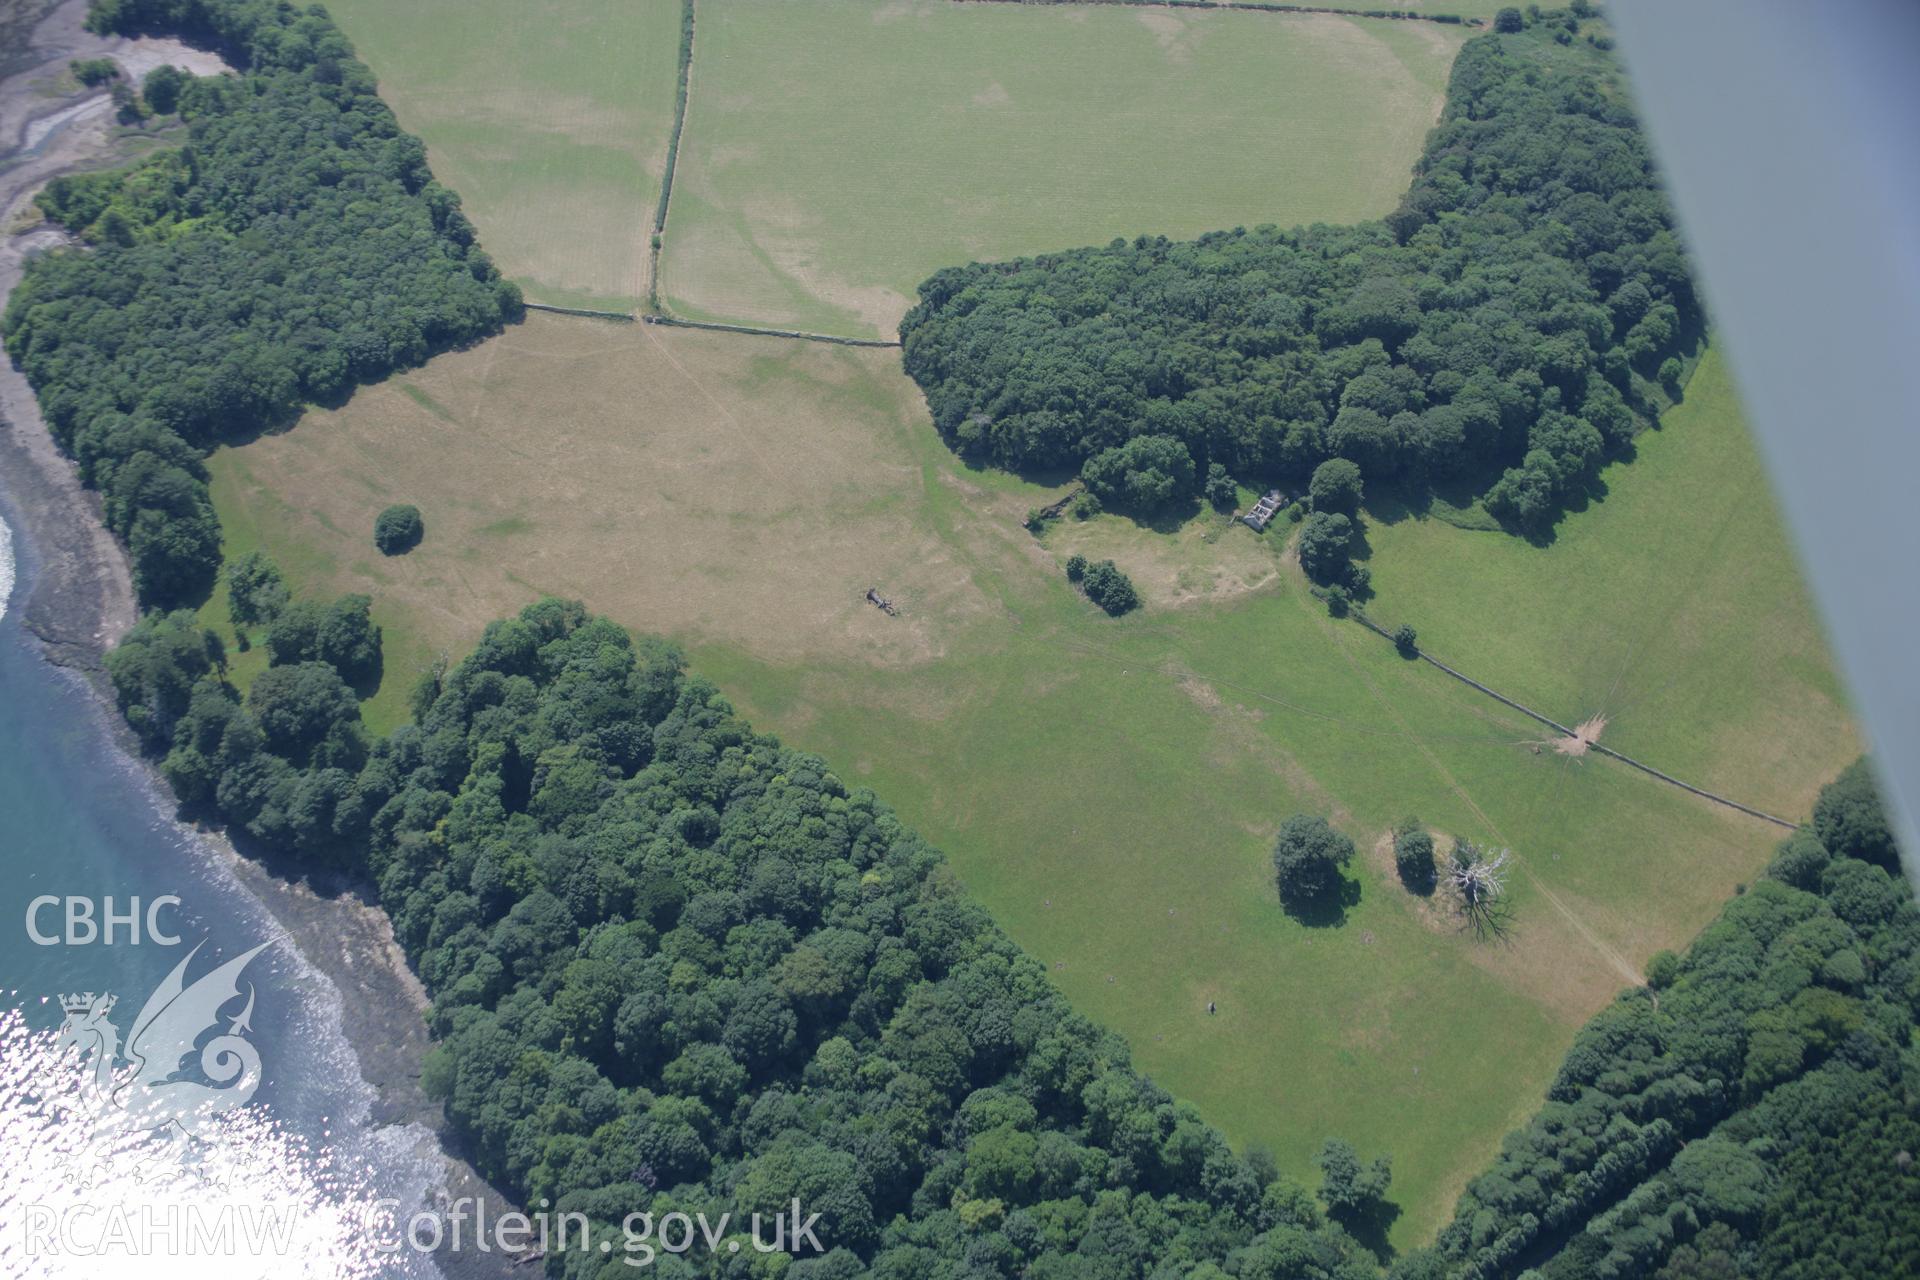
{"points": [[1488, 921], [1370, 1226], [1054, 477], [1327, 910], [366, 682], [1389, 505], [1419, 883], [1359, 545], [1168, 519], [1465, 486], [196, 594]]}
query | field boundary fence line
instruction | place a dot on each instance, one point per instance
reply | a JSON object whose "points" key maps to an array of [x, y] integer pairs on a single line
{"points": [[1254, 6], [681, 94], [624, 317], [1523, 709], [675, 322]]}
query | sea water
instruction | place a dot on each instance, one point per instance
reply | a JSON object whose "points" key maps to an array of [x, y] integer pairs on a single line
{"points": [[292, 1183]]}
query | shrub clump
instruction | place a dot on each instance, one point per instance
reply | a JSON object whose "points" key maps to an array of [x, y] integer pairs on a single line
{"points": [[1413, 855], [1109, 588], [398, 530]]}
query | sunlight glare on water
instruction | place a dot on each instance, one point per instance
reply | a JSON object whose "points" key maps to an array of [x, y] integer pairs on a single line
{"points": [[6, 566], [254, 1201]]}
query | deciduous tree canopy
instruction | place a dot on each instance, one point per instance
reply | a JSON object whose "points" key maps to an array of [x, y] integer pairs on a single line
{"points": [[1307, 857], [676, 964], [1335, 487], [1108, 587], [398, 529], [1326, 539]]}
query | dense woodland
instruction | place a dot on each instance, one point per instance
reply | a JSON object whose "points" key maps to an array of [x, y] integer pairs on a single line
{"points": [[294, 247], [1498, 334]]}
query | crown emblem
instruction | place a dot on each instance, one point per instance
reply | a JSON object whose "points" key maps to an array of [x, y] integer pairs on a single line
{"points": [[84, 1003]]}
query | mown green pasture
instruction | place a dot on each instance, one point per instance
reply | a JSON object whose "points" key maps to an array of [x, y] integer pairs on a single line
{"points": [[839, 152], [1673, 605], [551, 121]]}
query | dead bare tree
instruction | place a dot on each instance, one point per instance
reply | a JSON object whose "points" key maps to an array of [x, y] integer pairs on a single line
{"points": [[1478, 877]]}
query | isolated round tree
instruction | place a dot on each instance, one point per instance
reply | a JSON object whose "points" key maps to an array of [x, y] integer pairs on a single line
{"points": [[1307, 857], [1335, 486], [255, 590], [398, 530], [1413, 856], [1324, 540]]}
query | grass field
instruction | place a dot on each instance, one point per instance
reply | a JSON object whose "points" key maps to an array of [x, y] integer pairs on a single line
{"points": [[839, 152], [552, 125], [1718, 673], [1109, 789]]}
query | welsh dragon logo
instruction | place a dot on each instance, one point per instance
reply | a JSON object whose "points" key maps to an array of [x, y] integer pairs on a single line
{"points": [[139, 1088]]}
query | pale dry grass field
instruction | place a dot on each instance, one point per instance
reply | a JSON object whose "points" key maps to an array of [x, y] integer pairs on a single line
{"points": [[839, 152], [717, 488], [1210, 559]]}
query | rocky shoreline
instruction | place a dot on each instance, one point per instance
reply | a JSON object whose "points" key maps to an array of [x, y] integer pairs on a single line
{"points": [[79, 601]]}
